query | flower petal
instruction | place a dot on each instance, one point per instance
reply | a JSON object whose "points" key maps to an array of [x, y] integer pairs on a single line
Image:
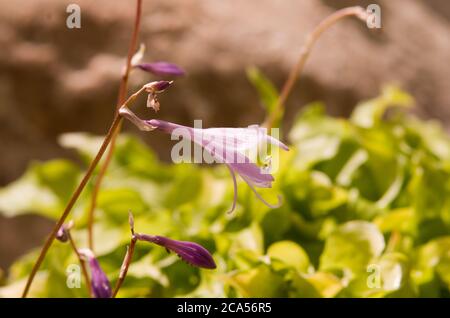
{"points": [[233, 206], [101, 287], [272, 206], [242, 139], [100, 283], [166, 126], [157, 86], [253, 174], [228, 146], [161, 68]]}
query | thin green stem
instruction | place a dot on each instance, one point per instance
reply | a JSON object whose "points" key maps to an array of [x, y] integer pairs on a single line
{"points": [[125, 265], [123, 88]]}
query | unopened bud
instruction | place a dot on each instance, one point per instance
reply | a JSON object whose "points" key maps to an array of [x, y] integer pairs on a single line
{"points": [[161, 68], [157, 86], [190, 252], [63, 233], [153, 89]]}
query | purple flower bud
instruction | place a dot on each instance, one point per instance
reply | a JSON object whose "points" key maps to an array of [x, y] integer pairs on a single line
{"points": [[157, 86], [153, 89], [190, 252], [63, 233], [101, 287], [161, 68]]}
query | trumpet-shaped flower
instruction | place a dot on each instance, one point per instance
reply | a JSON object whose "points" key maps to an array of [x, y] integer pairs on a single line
{"points": [[230, 146]]}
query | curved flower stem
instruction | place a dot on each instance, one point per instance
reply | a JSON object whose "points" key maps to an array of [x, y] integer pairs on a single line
{"points": [[125, 265], [82, 263], [357, 11], [121, 99], [114, 126]]}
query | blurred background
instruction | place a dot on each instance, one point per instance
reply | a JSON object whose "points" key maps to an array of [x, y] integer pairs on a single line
{"points": [[55, 80]]}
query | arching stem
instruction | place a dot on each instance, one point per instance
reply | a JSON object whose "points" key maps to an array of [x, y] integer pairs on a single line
{"points": [[357, 11]]}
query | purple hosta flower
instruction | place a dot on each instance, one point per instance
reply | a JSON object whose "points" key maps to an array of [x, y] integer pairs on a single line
{"points": [[190, 252], [157, 68], [101, 287], [153, 89], [161, 68], [230, 146]]}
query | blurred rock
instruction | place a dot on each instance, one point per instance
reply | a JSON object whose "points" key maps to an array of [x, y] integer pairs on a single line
{"points": [[54, 79]]}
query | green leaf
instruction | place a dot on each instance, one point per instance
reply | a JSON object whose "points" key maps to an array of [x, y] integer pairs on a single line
{"points": [[344, 183], [43, 189], [327, 284], [250, 239], [433, 258], [290, 254], [356, 160], [388, 276], [248, 283], [145, 268], [369, 113], [401, 220], [108, 237], [116, 203], [60, 176], [352, 247], [186, 187], [268, 94], [394, 269], [85, 144], [300, 287], [15, 289]]}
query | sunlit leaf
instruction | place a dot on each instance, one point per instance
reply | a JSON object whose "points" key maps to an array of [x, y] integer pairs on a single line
{"points": [[371, 112], [290, 254], [268, 94], [351, 247]]}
